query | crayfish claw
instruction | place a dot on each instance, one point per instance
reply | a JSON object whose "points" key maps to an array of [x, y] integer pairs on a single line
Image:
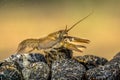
{"points": [[72, 47], [76, 39], [81, 46]]}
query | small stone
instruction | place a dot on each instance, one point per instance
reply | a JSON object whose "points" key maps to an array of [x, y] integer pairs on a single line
{"points": [[67, 69], [36, 71], [91, 61], [25, 59], [10, 71]]}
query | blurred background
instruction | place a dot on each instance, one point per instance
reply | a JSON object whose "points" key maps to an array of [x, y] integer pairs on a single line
{"points": [[22, 19]]}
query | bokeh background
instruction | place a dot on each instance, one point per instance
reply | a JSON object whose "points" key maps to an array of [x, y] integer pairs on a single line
{"points": [[22, 19]]}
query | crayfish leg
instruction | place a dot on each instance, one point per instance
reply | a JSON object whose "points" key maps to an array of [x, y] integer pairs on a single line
{"points": [[20, 50], [31, 50]]}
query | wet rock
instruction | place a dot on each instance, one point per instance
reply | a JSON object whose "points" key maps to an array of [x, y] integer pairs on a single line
{"points": [[67, 69], [36, 71], [91, 61], [58, 54], [10, 71], [25, 59]]}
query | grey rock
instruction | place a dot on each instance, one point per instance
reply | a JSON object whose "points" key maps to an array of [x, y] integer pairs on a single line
{"points": [[36, 71], [67, 69], [110, 71], [102, 73], [62, 66], [10, 71], [91, 61], [115, 62], [25, 59]]}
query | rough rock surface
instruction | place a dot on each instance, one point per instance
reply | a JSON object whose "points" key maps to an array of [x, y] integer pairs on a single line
{"points": [[110, 71], [25, 59], [102, 73], [91, 61], [31, 65], [36, 71], [67, 69], [10, 71], [62, 66], [58, 54]]}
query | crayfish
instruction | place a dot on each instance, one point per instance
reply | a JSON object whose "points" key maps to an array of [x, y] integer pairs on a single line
{"points": [[53, 40]]}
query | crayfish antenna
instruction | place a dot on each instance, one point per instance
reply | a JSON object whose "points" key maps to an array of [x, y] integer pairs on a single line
{"points": [[79, 21]]}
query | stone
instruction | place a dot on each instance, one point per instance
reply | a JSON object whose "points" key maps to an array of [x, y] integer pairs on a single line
{"points": [[10, 71], [102, 73], [36, 71], [25, 59], [67, 69], [91, 61], [110, 71]]}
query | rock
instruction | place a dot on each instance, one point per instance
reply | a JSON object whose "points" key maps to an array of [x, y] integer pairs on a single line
{"points": [[102, 73], [58, 54], [67, 69], [110, 71], [115, 62], [10, 71], [91, 61], [25, 59], [59, 65], [36, 71]]}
